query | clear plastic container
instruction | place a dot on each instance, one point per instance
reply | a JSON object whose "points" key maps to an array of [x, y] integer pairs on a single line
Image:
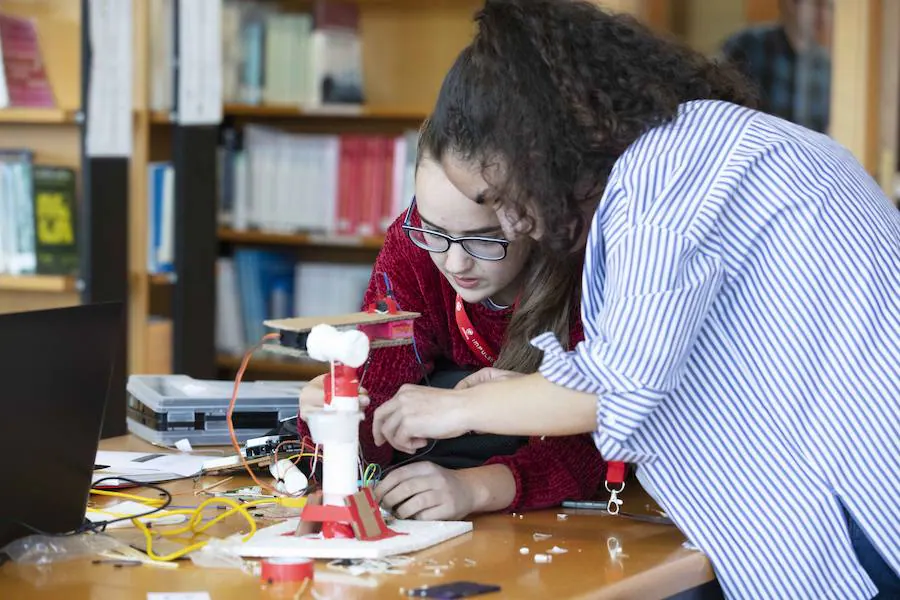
{"points": [[163, 409]]}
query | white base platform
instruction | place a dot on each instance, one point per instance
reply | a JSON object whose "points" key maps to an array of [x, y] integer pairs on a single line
{"points": [[271, 542]]}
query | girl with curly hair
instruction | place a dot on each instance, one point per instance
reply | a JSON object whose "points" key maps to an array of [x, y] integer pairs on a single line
{"points": [[740, 295]]}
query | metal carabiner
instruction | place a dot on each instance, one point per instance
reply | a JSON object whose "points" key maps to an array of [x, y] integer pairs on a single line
{"points": [[612, 507]]}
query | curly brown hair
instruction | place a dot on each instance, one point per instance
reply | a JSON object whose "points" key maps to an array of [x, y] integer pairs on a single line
{"points": [[555, 91]]}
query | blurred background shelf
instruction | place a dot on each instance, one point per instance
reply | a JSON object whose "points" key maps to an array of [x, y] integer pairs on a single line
{"points": [[264, 111], [37, 115], [162, 278], [264, 238], [37, 283], [265, 367]]}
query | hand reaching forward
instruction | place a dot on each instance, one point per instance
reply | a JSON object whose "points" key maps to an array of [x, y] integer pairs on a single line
{"points": [[425, 491], [485, 375], [417, 413], [312, 397]]}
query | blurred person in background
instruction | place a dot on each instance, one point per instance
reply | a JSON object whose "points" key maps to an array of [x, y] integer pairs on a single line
{"points": [[790, 61]]}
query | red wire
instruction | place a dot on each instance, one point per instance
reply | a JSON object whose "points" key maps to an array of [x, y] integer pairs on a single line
{"points": [[234, 395]]}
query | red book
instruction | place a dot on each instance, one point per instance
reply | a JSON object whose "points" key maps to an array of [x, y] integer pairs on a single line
{"points": [[374, 185], [387, 196], [345, 187], [23, 69], [332, 14]]}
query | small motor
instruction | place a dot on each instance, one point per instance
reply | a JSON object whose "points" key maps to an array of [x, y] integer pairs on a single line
{"points": [[386, 305]]}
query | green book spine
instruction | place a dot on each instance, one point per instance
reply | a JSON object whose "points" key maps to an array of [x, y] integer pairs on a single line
{"points": [[55, 218]]}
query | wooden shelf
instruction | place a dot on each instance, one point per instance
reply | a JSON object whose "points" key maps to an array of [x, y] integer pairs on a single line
{"points": [[295, 112], [37, 283], [162, 278], [37, 115], [299, 239], [293, 368], [291, 112], [160, 116]]}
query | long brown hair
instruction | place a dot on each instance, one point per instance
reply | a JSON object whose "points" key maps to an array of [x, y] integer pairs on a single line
{"points": [[548, 301]]}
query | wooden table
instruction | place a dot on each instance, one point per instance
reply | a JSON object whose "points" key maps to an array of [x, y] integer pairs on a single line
{"points": [[652, 563]]}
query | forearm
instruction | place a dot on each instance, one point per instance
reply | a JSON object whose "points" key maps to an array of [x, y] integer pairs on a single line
{"points": [[549, 470], [493, 487], [528, 405]]}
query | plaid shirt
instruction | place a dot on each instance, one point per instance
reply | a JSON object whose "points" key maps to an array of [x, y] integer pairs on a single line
{"points": [[793, 87]]}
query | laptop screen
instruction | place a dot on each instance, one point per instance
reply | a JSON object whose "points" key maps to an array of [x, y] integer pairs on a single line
{"points": [[55, 369]]}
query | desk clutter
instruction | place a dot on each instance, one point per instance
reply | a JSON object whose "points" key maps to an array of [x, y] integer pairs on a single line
{"points": [[290, 517], [274, 503]]}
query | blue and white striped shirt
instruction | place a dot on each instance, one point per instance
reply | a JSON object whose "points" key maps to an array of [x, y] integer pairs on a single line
{"points": [[741, 305]]}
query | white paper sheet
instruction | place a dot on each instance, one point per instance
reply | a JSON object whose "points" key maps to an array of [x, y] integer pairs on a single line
{"points": [[272, 542], [147, 467]]}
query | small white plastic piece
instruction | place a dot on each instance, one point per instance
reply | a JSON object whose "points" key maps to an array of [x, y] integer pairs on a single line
{"points": [[524, 550], [290, 479], [543, 558], [327, 344]]}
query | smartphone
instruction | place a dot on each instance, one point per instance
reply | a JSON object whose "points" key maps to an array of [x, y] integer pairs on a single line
{"points": [[457, 589]]}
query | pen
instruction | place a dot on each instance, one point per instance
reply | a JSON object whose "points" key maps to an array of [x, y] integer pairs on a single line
{"points": [[585, 504]]}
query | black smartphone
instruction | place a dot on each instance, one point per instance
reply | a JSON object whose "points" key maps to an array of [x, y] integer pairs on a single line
{"points": [[457, 589]]}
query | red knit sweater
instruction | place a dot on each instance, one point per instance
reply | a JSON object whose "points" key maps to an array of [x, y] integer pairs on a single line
{"points": [[547, 471]]}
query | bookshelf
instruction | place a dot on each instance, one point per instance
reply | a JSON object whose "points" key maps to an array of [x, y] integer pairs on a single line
{"points": [[295, 112], [54, 136], [408, 46], [265, 367], [38, 283], [399, 91], [35, 116], [264, 238]]}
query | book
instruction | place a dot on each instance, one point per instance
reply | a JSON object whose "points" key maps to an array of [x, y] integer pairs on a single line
{"points": [[24, 80], [17, 245], [56, 209]]}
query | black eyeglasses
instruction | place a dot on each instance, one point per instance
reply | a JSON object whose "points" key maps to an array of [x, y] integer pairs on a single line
{"points": [[482, 248]]}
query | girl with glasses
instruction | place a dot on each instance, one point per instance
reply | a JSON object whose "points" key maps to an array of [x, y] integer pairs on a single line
{"points": [[482, 295], [741, 295]]}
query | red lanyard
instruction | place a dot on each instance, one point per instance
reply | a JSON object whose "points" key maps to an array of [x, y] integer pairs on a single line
{"points": [[477, 343], [615, 485]]}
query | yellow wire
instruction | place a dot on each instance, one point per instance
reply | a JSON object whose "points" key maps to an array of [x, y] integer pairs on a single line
{"points": [[141, 499], [369, 474], [194, 524]]}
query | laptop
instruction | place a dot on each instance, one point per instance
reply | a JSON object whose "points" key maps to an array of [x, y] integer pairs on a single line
{"points": [[55, 372]]}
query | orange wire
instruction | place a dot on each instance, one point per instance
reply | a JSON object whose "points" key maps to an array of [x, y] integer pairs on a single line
{"points": [[234, 395]]}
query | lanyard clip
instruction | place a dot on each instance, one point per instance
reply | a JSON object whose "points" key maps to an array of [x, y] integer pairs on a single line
{"points": [[612, 507]]}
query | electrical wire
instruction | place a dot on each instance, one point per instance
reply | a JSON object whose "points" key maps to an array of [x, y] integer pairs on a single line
{"points": [[158, 505], [230, 416], [195, 524], [389, 291], [412, 458]]}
